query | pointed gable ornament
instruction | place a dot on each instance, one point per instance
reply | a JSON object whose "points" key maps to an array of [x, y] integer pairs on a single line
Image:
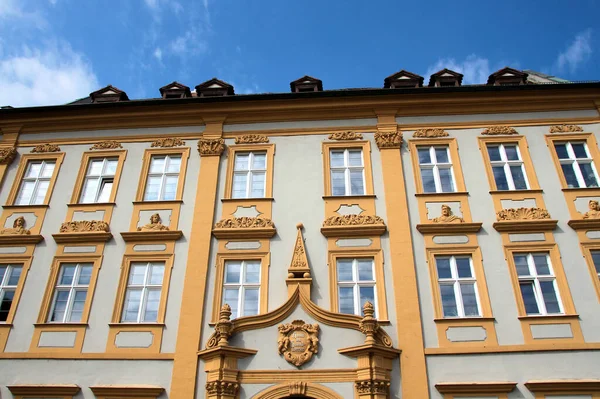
{"points": [[506, 77], [175, 90], [214, 88], [108, 94], [306, 84], [403, 79], [299, 264], [445, 78]]}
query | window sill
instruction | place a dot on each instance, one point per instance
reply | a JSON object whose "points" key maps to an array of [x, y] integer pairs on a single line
{"points": [[91, 204], [579, 189], [166, 202], [5, 325], [328, 197], [451, 194], [549, 317], [59, 325], [257, 199], [463, 319], [9, 206], [528, 191], [144, 324]]}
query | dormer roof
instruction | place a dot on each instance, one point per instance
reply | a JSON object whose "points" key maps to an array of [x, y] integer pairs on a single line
{"points": [[507, 76], [108, 94], [445, 77], [214, 88], [175, 90], [403, 79], [306, 84]]}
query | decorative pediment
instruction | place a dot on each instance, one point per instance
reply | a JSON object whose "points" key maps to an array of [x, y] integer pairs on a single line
{"points": [[403, 79], [566, 129], [445, 77], [299, 265], [108, 94], [430, 133], [507, 76], [306, 84], [175, 90], [106, 145], [214, 88]]}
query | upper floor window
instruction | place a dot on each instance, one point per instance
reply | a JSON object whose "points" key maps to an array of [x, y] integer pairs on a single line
{"points": [[596, 261], [537, 283], [99, 180], [70, 293], [163, 178], [249, 174], [241, 287], [507, 167], [142, 295], [35, 182], [9, 280], [436, 169], [458, 286], [347, 171], [577, 164], [356, 284]]}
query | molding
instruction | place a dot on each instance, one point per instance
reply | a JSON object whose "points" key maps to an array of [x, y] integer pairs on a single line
{"points": [[353, 225], [430, 133], [20, 239], [442, 228], [522, 214], [310, 375], [106, 145], [525, 226], [167, 142], [297, 387], [78, 237], [87, 356], [127, 391], [565, 129], [45, 148], [183, 152], [82, 226], [211, 147], [584, 224], [251, 139], [537, 347], [501, 129], [7, 155], [42, 390], [345, 136], [563, 386], [244, 227], [143, 236], [475, 387], [388, 140]]}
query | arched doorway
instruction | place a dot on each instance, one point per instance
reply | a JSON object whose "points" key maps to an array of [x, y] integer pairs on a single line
{"points": [[297, 389]]}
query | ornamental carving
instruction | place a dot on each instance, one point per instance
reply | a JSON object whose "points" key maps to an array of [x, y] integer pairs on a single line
{"points": [[7, 155], [376, 387], [219, 388], [299, 264], [211, 147], [245, 222], [106, 145], [430, 133], [297, 388], [565, 129], [345, 136], [46, 148], [154, 225], [251, 139], [84, 226], [522, 214], [369, 324], [388, 139], [594, 210], [495, 130], [352, 220], [17, 229], [298, 341], [168, 142], [447, 216]]}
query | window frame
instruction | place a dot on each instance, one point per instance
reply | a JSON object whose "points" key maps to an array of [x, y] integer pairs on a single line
{"points": [[145, 288], [365, 147], [592, 148], [25, 262], [356, 284], [347, 170], [71, 288], [183, 152], [435, 167], [233, 150], [57, 157], [536, 280], [452, 144], [86, 158], [242, 285], [574, 160], [456, 282], [587, 249]]}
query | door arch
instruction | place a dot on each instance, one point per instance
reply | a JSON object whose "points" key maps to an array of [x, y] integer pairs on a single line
{"points": [[295, 389]]}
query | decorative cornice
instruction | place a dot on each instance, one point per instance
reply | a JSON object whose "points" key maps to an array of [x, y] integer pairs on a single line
{"points": [[154, 235], [7, 155], [388, 139], [81, 226], [475, 387], [168, 142], [106, 145], [40, 390], [345, 136], [495, 130], [134, 391], [565, 129], [353, 225], [211, 147], [525, 225], [251, 139], [563, 386], [429, 133], [448, 228], [522, 214], [244, 227], [45, 148]]}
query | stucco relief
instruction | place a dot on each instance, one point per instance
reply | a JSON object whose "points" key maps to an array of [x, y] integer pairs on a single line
{"points": [[84, 226], [345, 136], [154, 225], [496, 130], [45, 148], [388, 139], [244, 223], [251, 139], [298, 341], [352, 220], [565, 129], [522, 214], [430, 133], [594, 210], [211, 147], [7, 155], [447, 216], [106, 145], [168, 142], [18, 228]]}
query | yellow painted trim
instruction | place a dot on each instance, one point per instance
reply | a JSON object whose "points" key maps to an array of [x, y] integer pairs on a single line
{"points": [[284, 390], [364, 146], [537, 347], [148, 154], [452, 145], [586, 248], [57, 157], [88, 356], [85, 161], [126, 391], [233, 149], [64, 391], [25, 260], [311, 375]]}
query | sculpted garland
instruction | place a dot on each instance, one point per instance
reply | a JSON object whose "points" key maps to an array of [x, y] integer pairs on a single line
{"points": [[345, 136], [251, 139], [244, 222], [496, 130], [83, 226], [106, 145], [352, 220], [430, 133], [522, 214], [566, 129], [45, 148]]}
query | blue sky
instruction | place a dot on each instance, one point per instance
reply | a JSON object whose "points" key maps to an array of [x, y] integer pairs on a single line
{"points": [[54, 51]]}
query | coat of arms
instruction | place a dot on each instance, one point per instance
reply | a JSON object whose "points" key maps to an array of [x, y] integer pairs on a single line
{"points": [[298, 341]]}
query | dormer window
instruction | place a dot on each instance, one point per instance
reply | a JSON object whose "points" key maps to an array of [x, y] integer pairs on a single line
{"points": [[108, 94], [403, 79], [445, 78], [175, 90], [507, 77], [214, 88], [306, 84]]}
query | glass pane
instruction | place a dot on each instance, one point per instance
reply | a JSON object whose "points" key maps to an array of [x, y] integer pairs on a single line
{"points": [[110, 167], [258, 184], [570, 176], [6, 303], [157, 272], [250, 301], [241, 161], [15, 275], [152, 303], [338, 182], [344, 270], [365, 270], [47, 170], [428, 180], [541, 264], [357, 186], [233, 272], [469, 299], [239, 185], [33, 169], [173, 164], [25, 193], [336, 159], [259, 161], [78, 305], [170, 187], [521, 264], [494, 153], [131, 307], [588, 174], [152, 188], [230, 297], [157, 164], [2, 272], [446, 180], [500, 178], [60, 306], [42, 189], [463, 266], [137, 274], [105, 191], [252, 272], [579, 150], [95, 168], [531, 306], [596, 260], [346, 300], [366, 294], [561, 151], [448, 300], [355, 157], [511, 152], [66, 277], [550, 298], [424, 155], [90, 187], [443, 267], [85, 275], [518, 176], [441, 155]]}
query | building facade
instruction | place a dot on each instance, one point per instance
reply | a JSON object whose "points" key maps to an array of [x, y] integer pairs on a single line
{"points": [[404, 242]]}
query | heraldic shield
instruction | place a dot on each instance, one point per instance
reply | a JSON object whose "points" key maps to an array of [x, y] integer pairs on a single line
{"points": [[298, 341]]}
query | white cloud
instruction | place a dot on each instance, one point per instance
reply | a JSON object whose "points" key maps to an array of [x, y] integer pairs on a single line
{"points": [[578, 52], [474, 68], [188, 43], [158, 54], [53, 75]]}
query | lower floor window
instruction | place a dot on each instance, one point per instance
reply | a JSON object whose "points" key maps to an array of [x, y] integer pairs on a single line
{"points": [[9, 279], [241, 287], [70, 293], [356, 284], [144, 287], [458, 286], [537, 283]]}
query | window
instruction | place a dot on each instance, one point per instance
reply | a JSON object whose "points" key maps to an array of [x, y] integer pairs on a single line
{"points": [[577, 164], [241, 287], [347, 172], [9, 279], [99, 180], [142, 297], [596, 261], [249, 175], [507, 167], [458, 287], [356, 284], [35, 183], [163, 178], [436, 169], [70, 293], [537, 284]]}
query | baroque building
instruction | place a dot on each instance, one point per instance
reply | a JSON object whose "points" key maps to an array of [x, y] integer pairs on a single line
{"points": [[410, 241]]}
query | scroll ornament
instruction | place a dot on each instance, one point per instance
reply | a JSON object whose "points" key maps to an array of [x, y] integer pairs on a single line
{"points": [[298, 341], [251, 139], [7, 155], [17, 229], [106, 145], [447, 216], [245, 222], [522, 214], [211, 147], [345, 136], [430, 133], [154, 225], [594, 210], [495, 130], [222, 388], [566, 129], [83, 226], [388, 139], [352, 220], [168, 142], [45, 148]]}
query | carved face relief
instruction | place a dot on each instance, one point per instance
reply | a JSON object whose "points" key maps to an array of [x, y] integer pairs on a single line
{"points": [[445, 210], [298, 341]]}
